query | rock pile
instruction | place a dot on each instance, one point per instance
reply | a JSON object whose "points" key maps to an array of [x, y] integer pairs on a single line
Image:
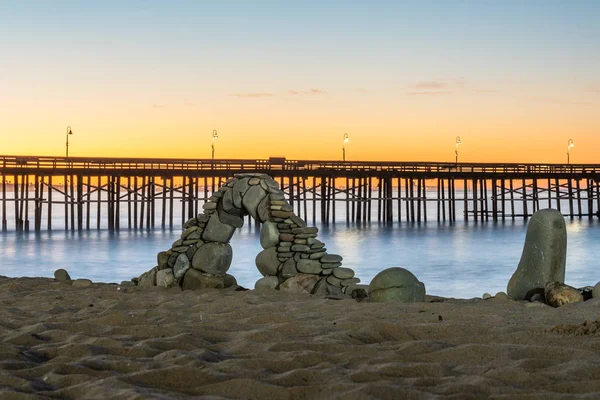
{"points": [[293, 258]]}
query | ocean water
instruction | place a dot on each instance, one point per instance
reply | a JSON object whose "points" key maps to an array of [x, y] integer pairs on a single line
{"points": [[460, 259]]}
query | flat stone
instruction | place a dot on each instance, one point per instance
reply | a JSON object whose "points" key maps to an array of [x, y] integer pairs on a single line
{"points": [[216, 231], [285, 244], [544, 254], [349, 281], [330, 265], [312, 241], [332, 280], [307, 266], [231, 182], [181, 266], [331, 258], [213, 258], [177, 243], [287, 207], [263, 210], [254, 181], [316, 256], [327, 271], [286, 237], [180, 249], [277, 196], [252, 199], [311, 229], [165, 278], [188, 232], [190, 222], [299, 241], [317, 246], [343, 273], [190, 243], [230, 219], [87, 282], [202, 218], [285, 254], [267, 262], [269, 235], [282, 214], [196, 235], [209, 205], [278, 202], [267, 283], [300, 283], [274, 208], [298, 221], [62, 275], [300, 247]]}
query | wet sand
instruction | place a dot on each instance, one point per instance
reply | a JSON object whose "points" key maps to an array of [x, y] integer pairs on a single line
{"points": [[107, 341]]}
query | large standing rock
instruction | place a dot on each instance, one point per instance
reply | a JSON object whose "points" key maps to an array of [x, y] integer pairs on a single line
{"points": [[267, 283], [269, 235], [196, 280], [544, 254], [213, 258], [182, 264], [165, 278], [217, 231], [148, 278], [62, 275], [254, 195], [396, 284]]}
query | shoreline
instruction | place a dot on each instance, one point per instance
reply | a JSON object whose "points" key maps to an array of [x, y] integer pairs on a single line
{"points": [[101, 342]]}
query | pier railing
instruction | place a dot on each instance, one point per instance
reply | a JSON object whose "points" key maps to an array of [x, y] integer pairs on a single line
{"points": [[105, 163]]}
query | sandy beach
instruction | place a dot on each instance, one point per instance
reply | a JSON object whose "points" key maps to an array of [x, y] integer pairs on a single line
{"points": [[106, 341]]}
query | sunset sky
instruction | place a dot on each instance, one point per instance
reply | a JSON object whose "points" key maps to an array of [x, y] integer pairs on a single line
{"points": [[514, 79]]}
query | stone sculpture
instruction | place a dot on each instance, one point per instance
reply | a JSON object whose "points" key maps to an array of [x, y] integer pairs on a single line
{"points": [[292, 258]]}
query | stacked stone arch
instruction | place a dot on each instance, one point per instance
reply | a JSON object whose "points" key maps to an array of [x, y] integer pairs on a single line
{"points": [[293, 258]]}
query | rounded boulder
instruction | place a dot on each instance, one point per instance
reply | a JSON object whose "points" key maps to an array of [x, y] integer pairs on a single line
{"points": [[213, 258], [396, 284]]}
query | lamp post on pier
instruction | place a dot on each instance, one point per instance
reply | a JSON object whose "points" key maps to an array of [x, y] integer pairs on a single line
{"points": [[69, 132], [458, 142], [346, 140], [215, 136], [569, 145]]}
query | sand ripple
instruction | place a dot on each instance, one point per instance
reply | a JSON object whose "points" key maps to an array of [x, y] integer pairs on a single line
{"points": [[103, 343]]}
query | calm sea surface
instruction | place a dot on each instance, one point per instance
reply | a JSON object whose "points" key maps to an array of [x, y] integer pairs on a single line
{"points": [[462, 259]]}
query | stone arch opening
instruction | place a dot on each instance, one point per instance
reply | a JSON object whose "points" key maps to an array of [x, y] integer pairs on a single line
{"points": [[293, 258]]}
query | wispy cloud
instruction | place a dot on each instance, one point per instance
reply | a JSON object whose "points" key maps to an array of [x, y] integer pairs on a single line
{"points": [[253, 95], [188, 103], [432, 93], [561, 101], [363, 91], [486, 91], [311, 92], [430, 85], [158, 106]]}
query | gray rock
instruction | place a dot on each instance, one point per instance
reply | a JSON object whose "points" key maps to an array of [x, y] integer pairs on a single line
{"points": [[267, 262], [87, 282], [343, 273], [263, 210], [558, 294], [310, 229], [227, 202], [298, 221], [486, 296], [165, 278], [238, 192], [196, 280], [62, 275], [254, 181], [163, 260], [182, 264], [307, 266], [300, 283], [316, 256], [148, 278], [267, 283], [172, 259], [331, 258], [216, 231], [252, 199], [332, 280], [288, 269], [269, 235], [213, 258], [596, 290], [188, 232], [230, 219], [320, 288], [544, 254], [331, 265], [349, 281], [209, 205], [300, 247], [396, 284]]}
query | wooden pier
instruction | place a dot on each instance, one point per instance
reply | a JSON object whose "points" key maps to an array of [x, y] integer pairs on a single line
{"points": [[140, 193]]}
